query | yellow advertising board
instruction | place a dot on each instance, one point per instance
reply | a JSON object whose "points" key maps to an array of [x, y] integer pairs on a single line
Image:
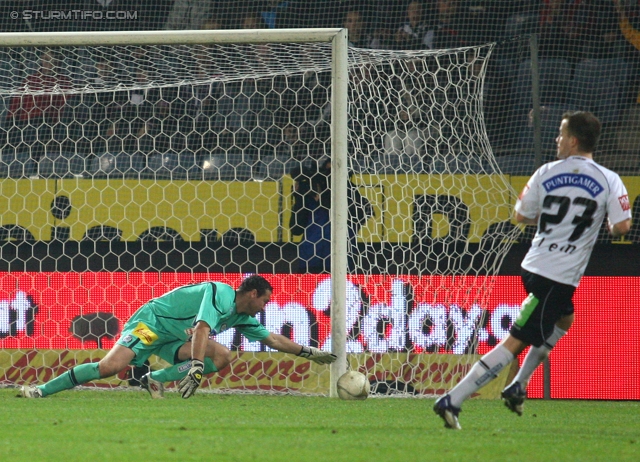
{"points": [[192, 209], [133, 207]]}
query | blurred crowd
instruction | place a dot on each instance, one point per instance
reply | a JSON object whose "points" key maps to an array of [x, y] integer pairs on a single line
{"points": [[588, 55]]}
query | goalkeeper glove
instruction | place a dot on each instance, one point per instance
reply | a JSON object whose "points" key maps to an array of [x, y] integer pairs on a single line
{"points": [[317, 356], [190, 383]]}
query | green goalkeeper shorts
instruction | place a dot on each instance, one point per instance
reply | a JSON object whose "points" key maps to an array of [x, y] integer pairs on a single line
{"points": [[145, 337]]}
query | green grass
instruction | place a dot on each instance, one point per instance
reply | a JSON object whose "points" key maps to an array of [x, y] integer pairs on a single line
{"points": [[129, 426]]}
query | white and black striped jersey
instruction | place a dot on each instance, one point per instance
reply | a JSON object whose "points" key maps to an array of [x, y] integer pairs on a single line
{"points": [[571, 198]]}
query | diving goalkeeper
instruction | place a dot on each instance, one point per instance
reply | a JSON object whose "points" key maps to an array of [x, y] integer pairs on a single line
{"points": [[177, 327]]}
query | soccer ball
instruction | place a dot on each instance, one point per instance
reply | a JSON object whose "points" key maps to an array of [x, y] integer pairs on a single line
{"points": [[353, 386]]}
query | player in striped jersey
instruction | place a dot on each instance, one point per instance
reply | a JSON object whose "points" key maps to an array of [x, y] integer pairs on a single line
{"points": [[568, 200]]}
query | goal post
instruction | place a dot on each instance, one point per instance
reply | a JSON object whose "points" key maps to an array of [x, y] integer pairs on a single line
{"points": [[181, 169], [339, 208]]}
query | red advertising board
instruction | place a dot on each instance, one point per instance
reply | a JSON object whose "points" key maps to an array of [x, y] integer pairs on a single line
{"points": [[598, 359]]}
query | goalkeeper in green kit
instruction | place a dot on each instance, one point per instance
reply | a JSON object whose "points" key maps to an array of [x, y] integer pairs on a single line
{"points": [[177, 327]]}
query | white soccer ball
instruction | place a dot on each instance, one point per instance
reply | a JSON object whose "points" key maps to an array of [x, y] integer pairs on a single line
{"points": [[353, 386]]}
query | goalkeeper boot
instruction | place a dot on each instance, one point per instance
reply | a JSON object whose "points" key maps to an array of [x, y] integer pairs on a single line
{"points": [[513, 397], [30, 392], [447, 412], [155, 388]]}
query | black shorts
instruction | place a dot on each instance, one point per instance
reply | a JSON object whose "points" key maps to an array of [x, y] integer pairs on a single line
{"points": [[539, 315]]}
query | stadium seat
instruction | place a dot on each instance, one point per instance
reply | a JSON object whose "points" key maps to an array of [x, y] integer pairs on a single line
{"points": [[108, 164], [172, 165], [403, 150], [521, 24], [235, 237], [163, 165], [211, 165], [623, 163], [555, 75], [103, 164], [550, 118], [272, 168], [628, 131], [456, 163], [226, 166], [17, 164], [60, 165], [517, 164], [598, 86]]}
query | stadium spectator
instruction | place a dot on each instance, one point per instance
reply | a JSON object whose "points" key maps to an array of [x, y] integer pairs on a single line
{"points": [[356, 24], [33, 118], [310, 217], [568, 201], [558, 30], [137, 110], [412, 34], [597, 30], [242, 113], [176, 327], [120, 15], [252, 19], [448, 29], [368, 101], [404, 140], [99, 109], [280, 14], [257, 57], [188, 14], [207, 57]]}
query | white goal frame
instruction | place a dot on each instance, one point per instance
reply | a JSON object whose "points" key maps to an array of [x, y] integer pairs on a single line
{"points": [[339, 86]]}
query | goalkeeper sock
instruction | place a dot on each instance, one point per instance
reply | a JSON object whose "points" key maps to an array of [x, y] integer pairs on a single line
{"points": [[482, 372], [179, 371], [535, 356], [77, 376]]}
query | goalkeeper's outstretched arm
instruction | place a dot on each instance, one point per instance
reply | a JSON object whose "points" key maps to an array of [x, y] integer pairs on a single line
{"points": [[282, 343]]}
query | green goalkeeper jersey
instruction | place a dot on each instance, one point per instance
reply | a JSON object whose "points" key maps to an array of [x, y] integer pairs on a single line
{"points": [[178, 311]]}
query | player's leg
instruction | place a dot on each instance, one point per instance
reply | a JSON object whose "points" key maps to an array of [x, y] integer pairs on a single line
{"points": [[515, 393], [529, 329], [553, 314], [217, 357], [483, 371], [486, 369], [115, 361], [537, 355]]}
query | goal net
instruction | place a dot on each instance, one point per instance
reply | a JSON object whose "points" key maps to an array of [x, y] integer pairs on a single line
{"points": [[131, 168]]}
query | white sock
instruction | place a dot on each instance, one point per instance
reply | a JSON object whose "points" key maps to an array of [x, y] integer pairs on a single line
{"points": [[482, 372], [535, 356]]}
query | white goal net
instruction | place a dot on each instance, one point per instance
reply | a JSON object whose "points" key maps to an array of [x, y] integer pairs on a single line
{"points": [[130, 169]]}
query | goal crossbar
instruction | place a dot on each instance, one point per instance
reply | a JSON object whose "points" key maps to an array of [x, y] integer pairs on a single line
{"points": [[169, 37]]}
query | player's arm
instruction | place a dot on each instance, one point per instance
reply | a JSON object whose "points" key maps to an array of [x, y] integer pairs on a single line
{"points": [[619, 210], [199, 340], [527, 209], [190, 383], [284, 344], [621, 228], [526, 220]]}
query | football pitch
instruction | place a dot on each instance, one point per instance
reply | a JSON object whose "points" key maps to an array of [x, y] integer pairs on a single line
{"points": [[128, 426]]}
